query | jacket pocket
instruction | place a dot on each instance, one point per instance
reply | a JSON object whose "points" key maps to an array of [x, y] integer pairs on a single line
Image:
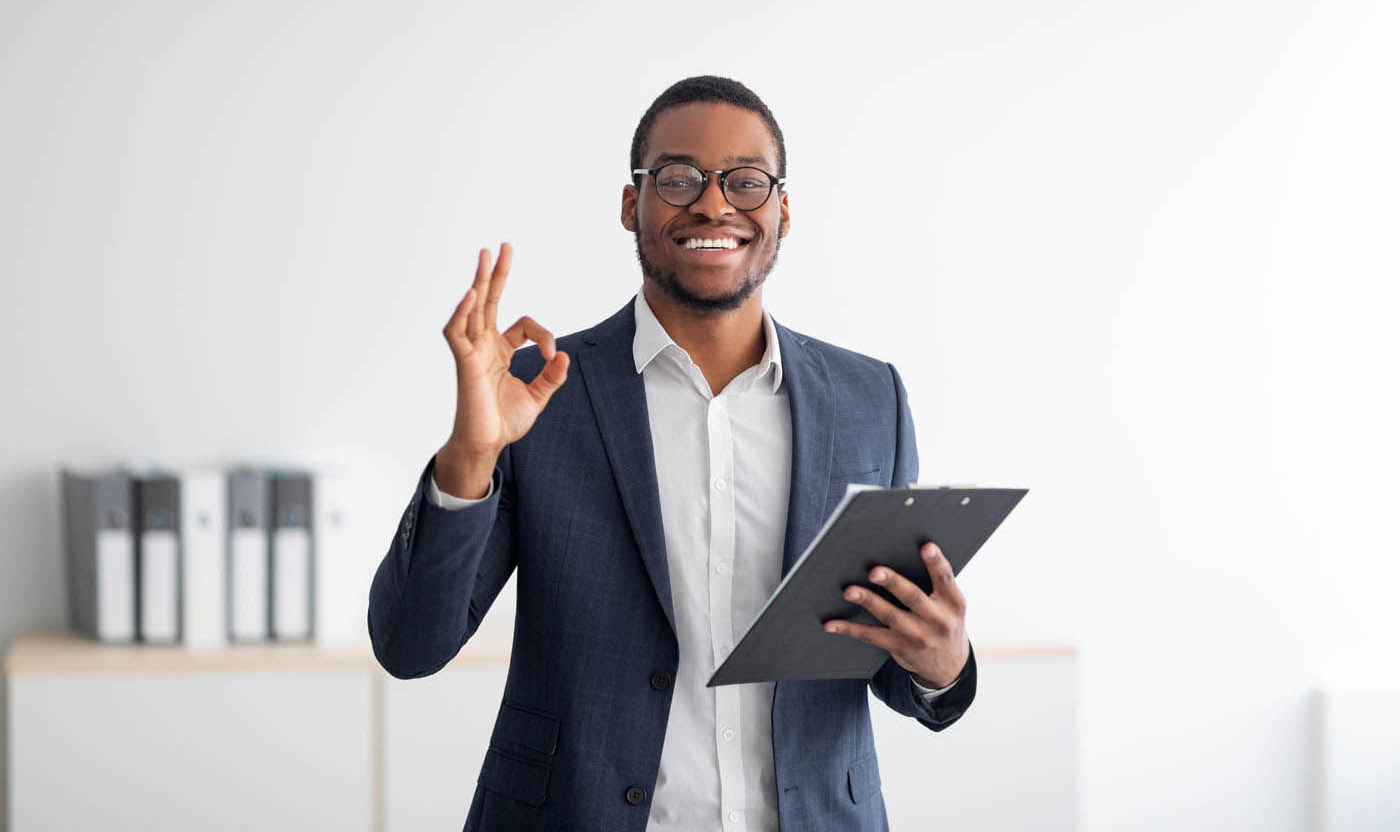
{"points": [[863, 778], [854, 471], [851, 473], [521, 729], [514, 777]]}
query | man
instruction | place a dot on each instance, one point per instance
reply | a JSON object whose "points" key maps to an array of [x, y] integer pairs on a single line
{"points": [[651, 508]]}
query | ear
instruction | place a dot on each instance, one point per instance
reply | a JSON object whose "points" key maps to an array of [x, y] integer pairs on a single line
{"points": [[629, 207], [783, 208]]}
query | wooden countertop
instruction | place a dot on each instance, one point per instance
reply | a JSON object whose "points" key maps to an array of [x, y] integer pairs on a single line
{"points": [[67, 652]]}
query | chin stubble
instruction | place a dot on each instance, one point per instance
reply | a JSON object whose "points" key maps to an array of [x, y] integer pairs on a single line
{"points": [[672, 286]]}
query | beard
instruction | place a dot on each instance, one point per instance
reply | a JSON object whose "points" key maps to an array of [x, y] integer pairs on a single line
{"points": [[671, 285]]}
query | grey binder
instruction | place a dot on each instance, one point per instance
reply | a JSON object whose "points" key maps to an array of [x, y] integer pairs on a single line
{"points": [[159, 561], [99, 554], [869, 526], [249, 501], [292, 562]]}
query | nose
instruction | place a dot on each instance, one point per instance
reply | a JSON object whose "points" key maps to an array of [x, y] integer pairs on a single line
{"points": [[711, 203]]}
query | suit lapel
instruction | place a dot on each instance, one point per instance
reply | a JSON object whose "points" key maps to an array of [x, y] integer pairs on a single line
{"points": [[619, 400], [813, 433]]}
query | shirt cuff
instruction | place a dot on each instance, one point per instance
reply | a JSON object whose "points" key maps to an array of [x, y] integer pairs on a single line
{"points": [[441, 499], [930, 694]]}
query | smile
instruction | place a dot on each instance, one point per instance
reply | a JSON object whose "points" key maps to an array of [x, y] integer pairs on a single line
{"points": [[710, 243]]}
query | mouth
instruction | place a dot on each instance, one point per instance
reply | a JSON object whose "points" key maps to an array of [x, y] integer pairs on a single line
{"points": [[711, 247]]}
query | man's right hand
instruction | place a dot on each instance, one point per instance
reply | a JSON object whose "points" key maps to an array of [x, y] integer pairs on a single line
{"points": [[494, 408]]}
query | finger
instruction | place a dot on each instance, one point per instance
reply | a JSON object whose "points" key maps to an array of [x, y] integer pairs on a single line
{"points": [[909, 594], [482, 284], [498, 283], [525, 328], [878, 636], [550, 378], [886, 613], [456, 328], [945, 589]]}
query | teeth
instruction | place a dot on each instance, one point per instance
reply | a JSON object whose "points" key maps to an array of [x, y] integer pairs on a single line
{"points": [[726, 242]]}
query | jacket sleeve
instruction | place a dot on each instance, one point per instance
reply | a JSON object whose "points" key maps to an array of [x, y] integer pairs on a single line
{"points": [[443, 570], [892, 683]]}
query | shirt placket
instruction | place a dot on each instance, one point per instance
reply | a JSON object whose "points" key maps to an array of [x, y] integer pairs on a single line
{"points": [[728, 741]]}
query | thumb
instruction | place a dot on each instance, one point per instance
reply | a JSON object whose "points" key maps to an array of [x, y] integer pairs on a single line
{"points": [[550, 378]]}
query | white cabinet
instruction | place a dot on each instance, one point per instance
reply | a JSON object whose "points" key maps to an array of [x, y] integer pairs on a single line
{"points": [[145, 738]]}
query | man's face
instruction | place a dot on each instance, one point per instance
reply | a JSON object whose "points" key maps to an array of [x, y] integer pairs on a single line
{"points": [[711, 136]]}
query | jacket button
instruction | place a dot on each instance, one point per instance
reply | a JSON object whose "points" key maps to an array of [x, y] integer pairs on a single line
{"points": [[660, 681], [636, 794]]}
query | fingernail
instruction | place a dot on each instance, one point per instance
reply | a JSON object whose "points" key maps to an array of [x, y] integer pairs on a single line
{"points": [[833, 628], [930, 551], [852, 594], [879, 575]]}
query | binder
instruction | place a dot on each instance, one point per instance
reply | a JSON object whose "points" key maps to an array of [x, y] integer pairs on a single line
{"points": [[99, 554], [157, 558], [203, 537], [341, 580], [249, 499], [869, 526], [292, 559]]}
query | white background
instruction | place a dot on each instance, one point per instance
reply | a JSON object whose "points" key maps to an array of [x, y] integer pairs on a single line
{"points": [[1140, 257]]}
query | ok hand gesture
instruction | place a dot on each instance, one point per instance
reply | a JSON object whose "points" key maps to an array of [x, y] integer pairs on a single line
{"points": [[494, 408]]}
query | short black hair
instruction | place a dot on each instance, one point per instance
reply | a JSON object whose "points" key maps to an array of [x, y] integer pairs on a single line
{"points": [[706, 88]]}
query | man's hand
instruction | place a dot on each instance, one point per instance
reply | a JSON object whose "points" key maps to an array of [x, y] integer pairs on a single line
{"points": [[926, 637], [494, 408]]}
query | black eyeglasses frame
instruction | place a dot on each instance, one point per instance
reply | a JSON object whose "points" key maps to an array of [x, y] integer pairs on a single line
{"points": [[773, 183]]}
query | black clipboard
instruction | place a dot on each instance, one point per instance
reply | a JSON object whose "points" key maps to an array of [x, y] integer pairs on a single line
{"points": [[870, 526]]}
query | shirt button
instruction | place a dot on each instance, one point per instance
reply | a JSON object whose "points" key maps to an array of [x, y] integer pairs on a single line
{"points": [[733, 817], [722, 567], [636, 794], [728, 735], [720, 484], [661, 681]]}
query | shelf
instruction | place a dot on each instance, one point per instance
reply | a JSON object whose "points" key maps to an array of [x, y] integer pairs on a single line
{"points": [[67, 652]]}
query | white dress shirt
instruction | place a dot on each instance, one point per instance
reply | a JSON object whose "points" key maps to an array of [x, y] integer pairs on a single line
{"points": [[723, 469]]}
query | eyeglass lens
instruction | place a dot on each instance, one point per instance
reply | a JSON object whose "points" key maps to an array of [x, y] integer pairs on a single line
{"points": [[681, 184]]}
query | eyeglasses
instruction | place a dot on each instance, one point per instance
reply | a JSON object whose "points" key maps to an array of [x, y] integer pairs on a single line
{"points": [[681, 184]]}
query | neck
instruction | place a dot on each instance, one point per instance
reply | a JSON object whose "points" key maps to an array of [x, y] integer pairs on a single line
{"points": [[722, 344]]}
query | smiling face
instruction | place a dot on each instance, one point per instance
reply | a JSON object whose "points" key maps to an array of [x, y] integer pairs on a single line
{"points": [[709, 256]]}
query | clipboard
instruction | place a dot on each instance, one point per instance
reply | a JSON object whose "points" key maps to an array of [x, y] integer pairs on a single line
{"points": [[871, 525]]}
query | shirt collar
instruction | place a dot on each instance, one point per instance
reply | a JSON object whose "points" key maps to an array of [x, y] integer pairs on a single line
{"points": [[651, 338]]}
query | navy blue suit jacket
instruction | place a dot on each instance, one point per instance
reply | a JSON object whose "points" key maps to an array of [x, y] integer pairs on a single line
{"points": [[577, 740]]}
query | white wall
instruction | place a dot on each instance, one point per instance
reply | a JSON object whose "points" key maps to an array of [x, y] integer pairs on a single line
{"points": [[1140, 257]]}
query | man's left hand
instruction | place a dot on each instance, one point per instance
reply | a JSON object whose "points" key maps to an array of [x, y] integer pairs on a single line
{"points": [[926, 637]]}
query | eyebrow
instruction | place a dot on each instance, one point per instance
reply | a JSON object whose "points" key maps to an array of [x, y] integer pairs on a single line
{"points": [[727, 160]]}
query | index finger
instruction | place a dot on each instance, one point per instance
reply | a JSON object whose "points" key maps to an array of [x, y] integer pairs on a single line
{"points": [[498, 283]]}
